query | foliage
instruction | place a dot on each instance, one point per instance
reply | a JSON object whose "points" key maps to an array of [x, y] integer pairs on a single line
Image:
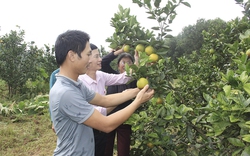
{"points": [[163, 12], [22, 63], [206, 95], [191, 38], [37, 105], [127, 30], [246, 6]]}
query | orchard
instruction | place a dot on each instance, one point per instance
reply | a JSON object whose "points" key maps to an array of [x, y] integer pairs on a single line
{"points": [[201, 79], [201, 102]]}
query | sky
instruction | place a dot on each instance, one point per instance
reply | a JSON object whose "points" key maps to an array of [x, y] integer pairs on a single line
{"points": [[44, 20]]}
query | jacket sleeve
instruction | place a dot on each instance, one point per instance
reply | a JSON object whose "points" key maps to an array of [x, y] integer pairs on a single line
{"points": [[106, 60], [115, 79]]}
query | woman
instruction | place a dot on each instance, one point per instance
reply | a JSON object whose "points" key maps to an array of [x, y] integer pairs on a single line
{"points": [[97, 80], [123, 131]]}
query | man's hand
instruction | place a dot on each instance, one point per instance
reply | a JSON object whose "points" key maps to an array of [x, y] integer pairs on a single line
{"points": [[145, 94]]}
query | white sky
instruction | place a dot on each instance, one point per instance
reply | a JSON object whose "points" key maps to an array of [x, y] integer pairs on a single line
{"points": [[44, 20]]}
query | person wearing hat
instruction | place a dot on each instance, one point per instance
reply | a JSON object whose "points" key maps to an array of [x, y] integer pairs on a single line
{"points": [[123, 131], [71, 102]]}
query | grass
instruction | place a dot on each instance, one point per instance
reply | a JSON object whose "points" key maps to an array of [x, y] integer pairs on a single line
{"points": [[26, 136]]}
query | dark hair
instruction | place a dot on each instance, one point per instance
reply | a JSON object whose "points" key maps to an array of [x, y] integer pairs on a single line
{"points": [[125, 55], [74, 40], [93, 47]]}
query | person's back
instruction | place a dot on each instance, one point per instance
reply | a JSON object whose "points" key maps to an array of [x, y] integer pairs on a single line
{"points": [[53, 77]]}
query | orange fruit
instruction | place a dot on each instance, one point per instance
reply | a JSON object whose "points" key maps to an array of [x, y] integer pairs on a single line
{"points": [[141, 83], [159, 100], [149, 50], [126, 48], [153, 57], [140, 48]]}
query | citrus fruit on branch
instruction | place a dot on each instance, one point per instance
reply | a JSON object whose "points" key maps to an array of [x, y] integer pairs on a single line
{"points": [[153, 57], [149, 50], [140, 48], [126, 48], [141, 83]]}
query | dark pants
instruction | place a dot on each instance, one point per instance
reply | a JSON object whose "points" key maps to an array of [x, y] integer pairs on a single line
{"points": [[100, 142], [123, 141]]}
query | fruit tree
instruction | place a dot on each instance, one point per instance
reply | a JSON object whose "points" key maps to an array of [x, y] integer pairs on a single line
{"points": [[201, 104]]}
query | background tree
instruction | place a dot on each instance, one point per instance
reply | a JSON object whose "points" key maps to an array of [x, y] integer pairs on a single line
{"points": [[245, 4], [191, 39], [22, 63]]}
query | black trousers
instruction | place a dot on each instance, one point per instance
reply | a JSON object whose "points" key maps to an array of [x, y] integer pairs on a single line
{"points": [[100, 142]]}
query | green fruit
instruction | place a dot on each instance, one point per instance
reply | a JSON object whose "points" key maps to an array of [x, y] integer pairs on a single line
{"points": [[126, 48], [149, 50], [248, 52], [211, 51], [140, 48]]}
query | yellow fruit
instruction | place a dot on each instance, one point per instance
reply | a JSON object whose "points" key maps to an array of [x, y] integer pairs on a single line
{"points": [[141, 83], [140, 48], [248, 52], [149, 50], [150, 145], [159, 100], [153, 57], [126, 48]]}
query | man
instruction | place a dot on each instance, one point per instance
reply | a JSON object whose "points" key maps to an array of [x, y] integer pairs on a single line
{"points": [[72, 114]]}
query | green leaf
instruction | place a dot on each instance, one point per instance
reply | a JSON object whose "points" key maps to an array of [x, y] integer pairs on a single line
{"points": [[207, 97], [168, 36], [169, 98], [153, 135], [236, 142], [151, 17], [169, 117], [243, 77], [246, 87], [245, 35], [227, 89], [147, 2], [184, 109], [177, 116], [235, 153], [163, 112], [155, 28], [172, 153], [157, 3], [246, 138], [186, 4], [219, 127], [143, 114], [162, 52], [189, 133], [246, 152], [133, 67]]}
